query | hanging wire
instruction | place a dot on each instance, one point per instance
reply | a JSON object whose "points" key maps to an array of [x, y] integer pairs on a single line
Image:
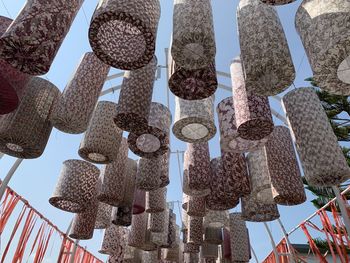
{"points": [[179, 167], [7, 11]]}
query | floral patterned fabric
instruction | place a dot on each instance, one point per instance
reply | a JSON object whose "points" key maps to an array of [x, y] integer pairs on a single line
{"points": [[104, 213], [161, 238], [139, 203], [129, 183], [122, 216], [195, 230], [194, 205], [240, 247], [156, 200], [255, 211], [267, 61], [32, 41], [193, 39], [213, 235], [123, 32], [326, 39], [114, 241], [25, 132], [216, 219], [156, 222], [137, 235], [321, 156], [191, 248], [209, 251], [80, 96], [191, 257]]}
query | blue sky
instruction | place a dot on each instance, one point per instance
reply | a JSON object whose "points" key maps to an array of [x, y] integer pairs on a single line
{"points": [[36, 179]]}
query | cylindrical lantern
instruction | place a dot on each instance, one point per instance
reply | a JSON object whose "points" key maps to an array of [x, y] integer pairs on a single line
{"points": [[194, 120], [172, 232], [255, 211], [260, 177], [154, 141], [123, 33], [135, 98], [76, 186], [164, 172], [213, 235], [267, 61], [12, 81], [325, 36], [148, 174], [83, 224], [191, 248], [114, 241], [79, 98], [209, 251], [156, 222], [216, 219], [321, 156], [234, 164], [149, 257], [195, 230], [252, 112], [31, 42], [113, 178], [139, 204], [220, 198], [102, 139], [191, 192], [226, 246], [288, 187], [161, 238], [104, 213], [122, 216], [137, 235], [230, 141], [156, 200], [194, 205], [191, 257], [129, 183], [193, 43], [240, 248], [277, 2], [25, 132], [197, 168], [171, 254]]}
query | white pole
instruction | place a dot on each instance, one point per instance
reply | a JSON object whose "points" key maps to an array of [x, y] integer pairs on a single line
{"points": [[272, 243], [8, 177], [289, 245], [343, 209], [254, 254]]}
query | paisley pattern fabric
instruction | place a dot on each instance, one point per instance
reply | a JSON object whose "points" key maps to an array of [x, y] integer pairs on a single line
{"points": [[230, 141], [267, 61], [83, 224], [104, 213], [156, 222], [320, 154], [113, 178], [213, 235], [25, 132], [123, 32], [193, 39], [195, 230], [277, 2], [255, 211], [194, 205], [288, 187], [323, 28], [194, 120], [102, 139], [76, 187], [154, 141], [156, 200], [216, 219], [253, 113], [114, 241], [135, 98], [209, 251], [12, 81], [31, 42], [260, 177], [139, 203], [219, 198], [240, 247], [80, 96]]}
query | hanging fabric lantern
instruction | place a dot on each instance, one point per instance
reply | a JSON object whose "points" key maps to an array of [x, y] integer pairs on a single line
{"points": [[219, 198], [123, 33], [154, 141], [122, 216], [266, 58], [114, 241], [172, 232], [156, 222], [129, 183], [103, 219], [164, 172], [191, 192], [277, 2], [171, 254], [12, 81], [195, 84], [161, 238], [197, 171], [76, 186], [209, 251], [226, 246], [288, 187], [194, 205], [191, 257], [240, 248], [156, 200], [230, 141], [255, 211], [139, 203], [25, 132], [148, 245], [191, 248], [31, 42], [113, 178], [195, 230], [102, 139], [149, 257], [193, 43], [148, 174], [321, 156], [79, 98], [135, 98], [325, 36], [137, 235], [238, 183], [260, 177], [252, 112], [213, 235], [216, 219], [194, 120]]}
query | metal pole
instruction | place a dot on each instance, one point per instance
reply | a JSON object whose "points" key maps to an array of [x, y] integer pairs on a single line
{"points": [[343, 209], [167, 76], [254, 254], [8, 177], [272, 242], [74, 252], [289, 245]]}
